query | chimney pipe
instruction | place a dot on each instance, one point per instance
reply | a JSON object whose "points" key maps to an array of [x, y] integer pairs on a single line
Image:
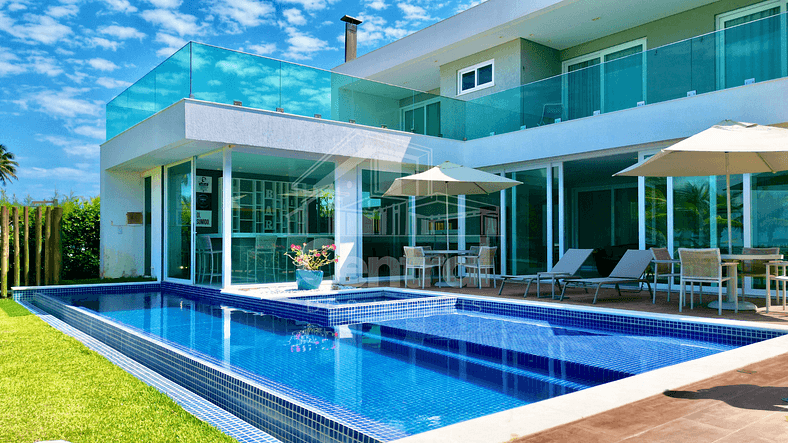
{"points": [[350, 37]]}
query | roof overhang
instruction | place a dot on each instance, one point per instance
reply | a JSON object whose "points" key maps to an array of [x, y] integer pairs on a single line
{"points": [[414, 61]]}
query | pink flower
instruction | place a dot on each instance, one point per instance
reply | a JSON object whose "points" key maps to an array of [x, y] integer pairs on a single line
{"points": [[333, 247], [317, 254], [336, 260], [296, 247]]}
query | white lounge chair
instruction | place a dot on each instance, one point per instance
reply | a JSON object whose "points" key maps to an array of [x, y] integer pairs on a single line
{"points": [[566, 267], [629, 270]]}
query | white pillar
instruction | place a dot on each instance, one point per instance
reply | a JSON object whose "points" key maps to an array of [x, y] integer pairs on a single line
{"points": [[348, 224], [227, 215]]}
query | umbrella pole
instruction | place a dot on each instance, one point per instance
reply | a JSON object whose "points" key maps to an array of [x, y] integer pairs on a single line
{"points": [[447, 221], [728, 187]]}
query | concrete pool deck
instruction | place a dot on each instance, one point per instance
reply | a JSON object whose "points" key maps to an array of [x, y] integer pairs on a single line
{"points": [[732, 397]]}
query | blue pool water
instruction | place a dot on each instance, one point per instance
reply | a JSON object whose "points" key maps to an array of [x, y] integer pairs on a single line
{"points": [[406, 376]]}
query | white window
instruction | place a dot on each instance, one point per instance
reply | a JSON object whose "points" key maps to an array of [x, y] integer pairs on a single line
{"points": [[476, 77]]}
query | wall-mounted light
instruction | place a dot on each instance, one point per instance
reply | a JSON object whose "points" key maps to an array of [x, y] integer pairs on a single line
{"points": [[280, 110], [237, 103], [318, 116]]}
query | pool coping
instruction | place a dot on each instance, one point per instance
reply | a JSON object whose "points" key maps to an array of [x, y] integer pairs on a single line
{"points": [[546, 414]]}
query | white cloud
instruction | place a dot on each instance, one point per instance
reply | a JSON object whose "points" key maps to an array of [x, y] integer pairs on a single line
{"points": [[16, 6], [103, 43], [377, 5], [62, 51], [294, 16], [374, 30], [77, 76], [65, 103], [62, 173], [413, 12], [102, 64], [120, 6], [262, 49], [9, 63], [88, 151], [172, 44], [310, 5], [111, 83], [303, 46], [243, 13], [44, 65], [166, 4], [63, 11], [464, 6], [91, 131], [122, 32], [181, 24], [37, 29]]}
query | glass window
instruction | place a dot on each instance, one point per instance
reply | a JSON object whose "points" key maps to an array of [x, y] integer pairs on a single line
{"points": [[278, 202], [385, 223], [476, 77], [179, 220], [700, 217], [526, 220]]}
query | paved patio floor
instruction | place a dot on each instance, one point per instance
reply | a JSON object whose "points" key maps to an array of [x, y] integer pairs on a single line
{"points": [[739, 406]]}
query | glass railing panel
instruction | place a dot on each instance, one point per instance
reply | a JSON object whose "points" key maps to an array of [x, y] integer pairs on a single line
{"points": [[163, 86], [172, 79], [751, 52], [224, 76], [378, 104], [623, 82], [542, 102], [497, 113], [306, 91]]}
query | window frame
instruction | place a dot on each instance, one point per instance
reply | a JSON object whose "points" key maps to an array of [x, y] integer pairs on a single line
{"points": [[475, 70]]}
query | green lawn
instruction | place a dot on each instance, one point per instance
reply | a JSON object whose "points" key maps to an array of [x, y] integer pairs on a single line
{"points": [[52, 387]]}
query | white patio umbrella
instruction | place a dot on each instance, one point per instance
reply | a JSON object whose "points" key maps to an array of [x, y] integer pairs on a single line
{"points": [[728, 147], [449, 179]]}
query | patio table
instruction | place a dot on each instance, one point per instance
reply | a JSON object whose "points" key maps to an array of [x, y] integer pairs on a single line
{"points": [[452, 257], [733, 287]]}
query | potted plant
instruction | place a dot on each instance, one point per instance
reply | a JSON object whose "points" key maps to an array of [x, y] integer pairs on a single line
{"points": [[308, 263]]}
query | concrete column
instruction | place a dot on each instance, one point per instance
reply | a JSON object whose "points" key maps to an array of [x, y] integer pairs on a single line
{"points": [[348, 226]]}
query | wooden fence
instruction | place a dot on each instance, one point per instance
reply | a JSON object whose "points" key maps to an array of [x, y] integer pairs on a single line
{"points": [[30, 260]]}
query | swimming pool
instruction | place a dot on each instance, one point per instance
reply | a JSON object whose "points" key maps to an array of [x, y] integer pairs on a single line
{"points": [[401, 376]]}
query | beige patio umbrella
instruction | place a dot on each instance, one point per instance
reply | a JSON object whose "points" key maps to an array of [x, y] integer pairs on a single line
{"points": [[728, 147], [449, 179]]}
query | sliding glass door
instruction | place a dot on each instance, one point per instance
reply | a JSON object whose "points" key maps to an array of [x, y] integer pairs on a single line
{"points": [[179, 221]]}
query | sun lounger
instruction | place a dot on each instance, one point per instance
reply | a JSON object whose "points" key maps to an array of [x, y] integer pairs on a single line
{"points": [[566, 267], [629, 270]]}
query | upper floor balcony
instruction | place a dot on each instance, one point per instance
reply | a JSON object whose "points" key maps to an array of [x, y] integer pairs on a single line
{"points": [[736, 56]]}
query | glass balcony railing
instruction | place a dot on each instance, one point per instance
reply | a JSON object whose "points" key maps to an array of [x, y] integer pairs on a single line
{"points": [[739, 55]]}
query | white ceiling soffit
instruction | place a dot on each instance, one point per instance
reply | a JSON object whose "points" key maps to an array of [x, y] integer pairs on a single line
{"points": [[414, 61]]}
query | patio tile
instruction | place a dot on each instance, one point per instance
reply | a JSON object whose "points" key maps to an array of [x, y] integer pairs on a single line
{"points": [[681, 430]]}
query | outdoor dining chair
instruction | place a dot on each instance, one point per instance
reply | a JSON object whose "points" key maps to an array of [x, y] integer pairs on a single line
{"points": [[206, 267], [703, 266], [755, 268], [485, 261], [664, 267], [416, 260]]}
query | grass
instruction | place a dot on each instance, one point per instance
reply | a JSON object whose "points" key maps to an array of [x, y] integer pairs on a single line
{"points": [[52, 387]]}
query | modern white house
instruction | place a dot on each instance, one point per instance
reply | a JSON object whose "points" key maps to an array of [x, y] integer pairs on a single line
{"points": [[232, 157]]}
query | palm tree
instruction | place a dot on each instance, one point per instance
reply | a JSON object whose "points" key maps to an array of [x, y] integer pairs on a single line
{"points": [[7, 166]]}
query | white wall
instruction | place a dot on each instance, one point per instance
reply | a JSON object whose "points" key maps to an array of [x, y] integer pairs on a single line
{"points": [[122, 245]]}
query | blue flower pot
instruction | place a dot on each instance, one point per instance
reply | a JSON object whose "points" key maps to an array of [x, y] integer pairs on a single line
{"points": [[308, 279]]}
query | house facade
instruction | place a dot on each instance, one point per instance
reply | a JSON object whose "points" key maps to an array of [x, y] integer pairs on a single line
{"points": [[232, 157]]}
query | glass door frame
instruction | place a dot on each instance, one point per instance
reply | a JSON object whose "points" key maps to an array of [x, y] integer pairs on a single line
{"points": [[502, 228], [166, 216], [601, 65], [719, 27]]}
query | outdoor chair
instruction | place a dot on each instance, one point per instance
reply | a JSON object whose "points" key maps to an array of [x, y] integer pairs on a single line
{"points": [[205, 260], [566, 267], [776, 271], [703, 266], [416, 260], [663, 267], [754, 268], [629, 270], [551, 112], [484, 261]]}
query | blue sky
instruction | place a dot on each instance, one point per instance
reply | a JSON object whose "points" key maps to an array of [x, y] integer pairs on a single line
{"points": [[62, 61]]}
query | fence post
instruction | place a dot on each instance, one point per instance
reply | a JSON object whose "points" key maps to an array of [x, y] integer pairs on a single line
{"points": [[4, 259], [17, 271], [38, 246], [48, 247], [26, 244], [57, 253]]}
